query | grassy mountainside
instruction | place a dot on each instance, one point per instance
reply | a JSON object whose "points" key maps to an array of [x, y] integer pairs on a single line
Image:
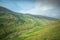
{"points": [[50, 32], [18, 26]]}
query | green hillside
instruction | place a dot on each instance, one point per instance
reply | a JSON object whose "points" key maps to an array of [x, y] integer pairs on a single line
{"points": [[18, 26], [51, 32]]}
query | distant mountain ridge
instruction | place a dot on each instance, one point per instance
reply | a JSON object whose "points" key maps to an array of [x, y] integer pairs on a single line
{"points": [[38, 16], [4, 9], [45, 17]]}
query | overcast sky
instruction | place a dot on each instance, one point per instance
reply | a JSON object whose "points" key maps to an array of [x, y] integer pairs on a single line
{"points": [[37, 7]]}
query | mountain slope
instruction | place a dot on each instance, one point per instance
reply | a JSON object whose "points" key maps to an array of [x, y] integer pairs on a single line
{"points": [[8, 22], [51, 32], [18, 26]]}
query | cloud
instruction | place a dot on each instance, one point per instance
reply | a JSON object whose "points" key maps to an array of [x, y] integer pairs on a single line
{"points": [[38, 9], [43, 9], [53, 2]]}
